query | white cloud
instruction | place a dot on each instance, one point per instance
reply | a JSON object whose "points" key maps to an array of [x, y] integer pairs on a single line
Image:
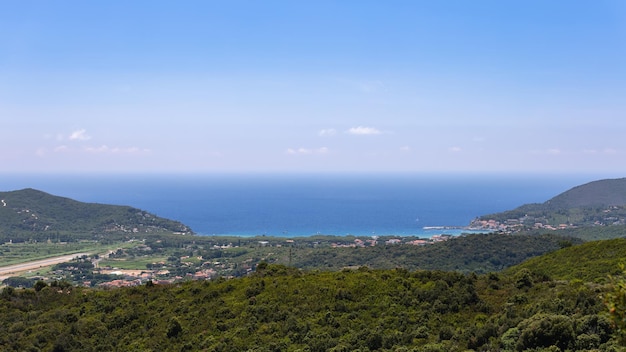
{"points": [[363, 131], [100, 149], [327, 132], [132, 150], [455, 149], [603, 151], [551, 151], [80, 135], [116, 150], [405, 148], [307, 151], [554, 151]]}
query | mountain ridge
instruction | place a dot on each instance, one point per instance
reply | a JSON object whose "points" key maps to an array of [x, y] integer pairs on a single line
{"points": [[37, 215], [604, 192]]}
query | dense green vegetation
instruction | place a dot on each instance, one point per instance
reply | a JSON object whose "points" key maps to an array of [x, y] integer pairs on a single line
{"points": [[593, 233], [283, 309], [588, 262], [31, 215], [472, 253], [531, 307], [597, 193], [615, 301]]}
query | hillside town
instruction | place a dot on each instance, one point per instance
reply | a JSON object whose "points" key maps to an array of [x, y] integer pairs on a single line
{"points": [[559, 220]]}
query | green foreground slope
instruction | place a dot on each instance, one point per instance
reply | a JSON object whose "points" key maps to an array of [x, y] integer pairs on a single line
{"points": [[283, 309], [591, 261]]}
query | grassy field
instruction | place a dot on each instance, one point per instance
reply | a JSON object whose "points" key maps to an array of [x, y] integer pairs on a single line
{"points": [[131, 263], [43, 271]]}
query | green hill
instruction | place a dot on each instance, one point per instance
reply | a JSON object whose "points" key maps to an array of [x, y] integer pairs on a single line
{"points": [[590, 262], [602, 193], [598, 203], [31, 214]]}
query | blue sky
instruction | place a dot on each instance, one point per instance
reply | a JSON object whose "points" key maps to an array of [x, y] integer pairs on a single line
{"points": [[313, 86]]}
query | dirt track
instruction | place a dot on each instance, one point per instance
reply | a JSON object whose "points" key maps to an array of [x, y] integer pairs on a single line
{"points": [[12, 270]]}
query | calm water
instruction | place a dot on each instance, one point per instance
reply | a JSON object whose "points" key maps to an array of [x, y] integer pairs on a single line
{"points": [[302, 205]]}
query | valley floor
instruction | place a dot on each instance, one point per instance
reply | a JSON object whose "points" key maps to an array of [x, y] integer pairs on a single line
{"points": [[12, 270]]}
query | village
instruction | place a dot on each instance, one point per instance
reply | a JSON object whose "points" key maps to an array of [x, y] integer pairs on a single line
{"points": [[119, 268], [559, 220]]}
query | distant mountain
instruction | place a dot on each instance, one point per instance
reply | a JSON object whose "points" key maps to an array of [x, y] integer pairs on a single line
{"points": [[33, 214], [597, 203], [601, 193]]}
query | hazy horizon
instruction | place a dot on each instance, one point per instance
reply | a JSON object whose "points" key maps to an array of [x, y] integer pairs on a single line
{"points": [[325, 87]]}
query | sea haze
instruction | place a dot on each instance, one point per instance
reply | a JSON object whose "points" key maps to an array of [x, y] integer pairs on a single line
{"points": [[303, 205]]}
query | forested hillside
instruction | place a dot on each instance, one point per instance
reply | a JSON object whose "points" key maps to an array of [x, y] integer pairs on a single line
{"points": [[34, 215], [591, 261], [480, 253], [283, 309], [593, 194]]}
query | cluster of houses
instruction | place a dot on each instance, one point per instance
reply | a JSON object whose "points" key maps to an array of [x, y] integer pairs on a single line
{"points": [[134, 278], [162, 276], [196, 268], [515, 225], [374, 241], [576, 217]]}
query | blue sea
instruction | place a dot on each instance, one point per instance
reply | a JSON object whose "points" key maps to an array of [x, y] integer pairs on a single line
{"points": [[304, 205]]}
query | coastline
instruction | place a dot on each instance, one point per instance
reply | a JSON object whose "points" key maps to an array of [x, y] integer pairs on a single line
{"points": [[427, 232], [308, 205]]}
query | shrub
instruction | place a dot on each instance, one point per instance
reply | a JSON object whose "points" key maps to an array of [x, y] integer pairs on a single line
{"points": [[545, 330]]}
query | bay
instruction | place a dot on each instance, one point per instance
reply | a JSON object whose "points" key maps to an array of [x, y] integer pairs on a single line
{"points": [[309, 204]]}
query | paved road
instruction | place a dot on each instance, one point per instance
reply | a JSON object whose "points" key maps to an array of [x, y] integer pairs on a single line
{"points": [[11, 270]]}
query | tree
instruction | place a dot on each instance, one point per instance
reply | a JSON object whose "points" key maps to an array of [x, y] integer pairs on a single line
{"points": [[17, 281], [615, 301], [545, 330], [174, 329], [523, 279], [39, 285]]}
